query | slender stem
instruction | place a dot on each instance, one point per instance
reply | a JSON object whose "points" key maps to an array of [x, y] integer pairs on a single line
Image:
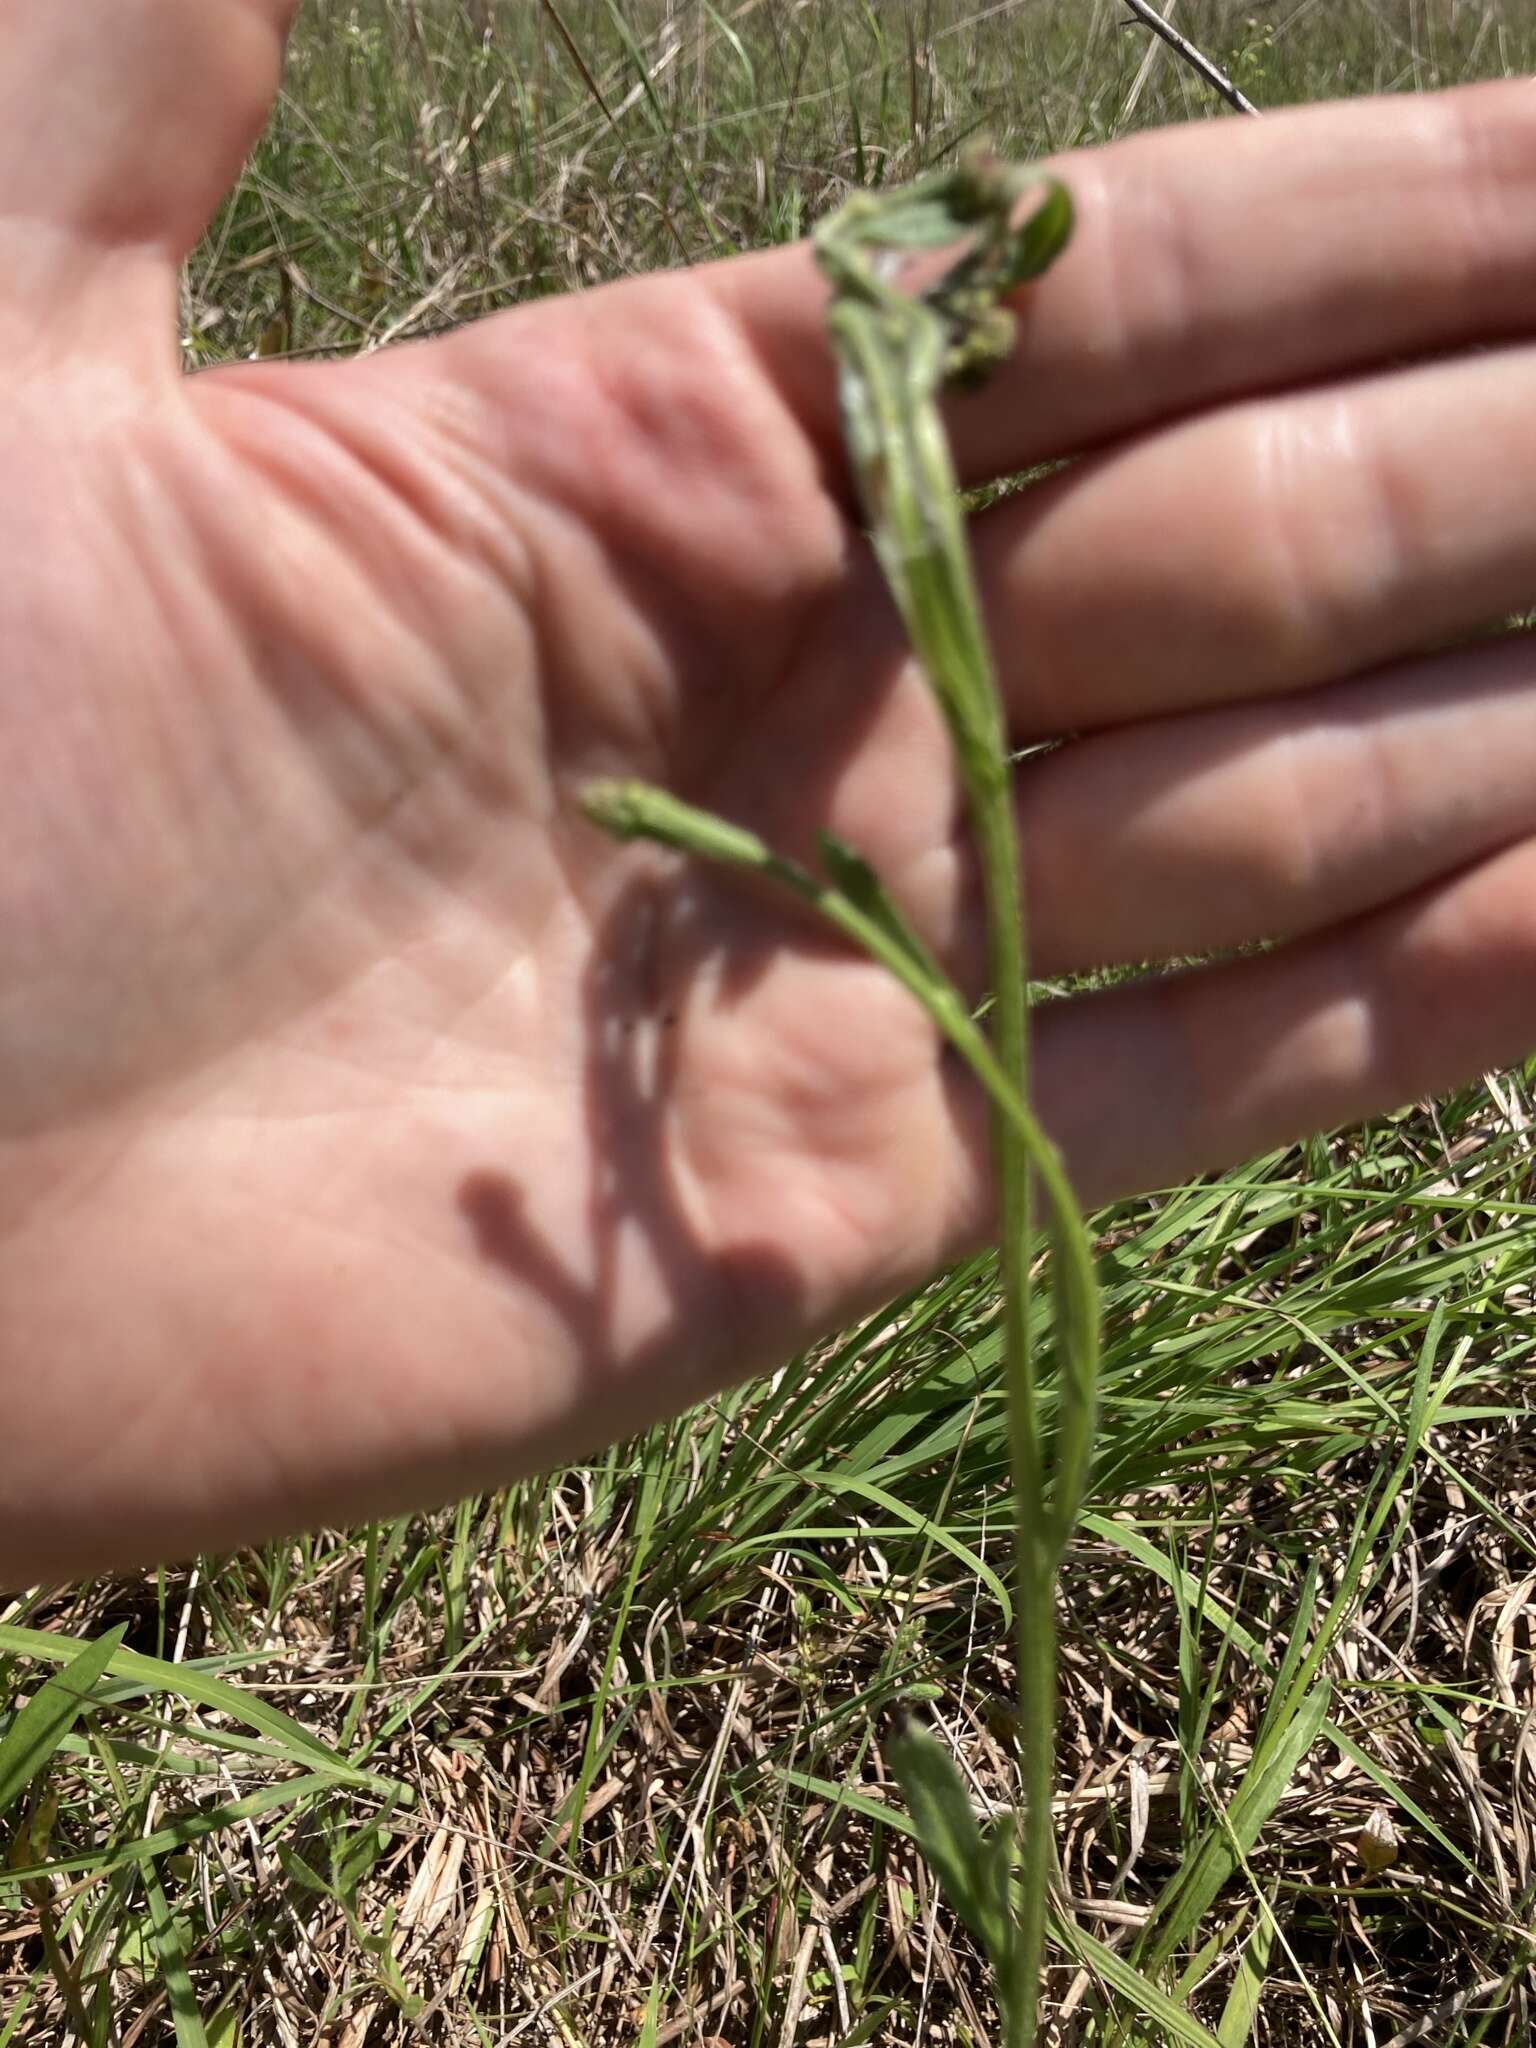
{"points": [[1021, 1152], [1034, 1606], [895, 353], [921, 535]]}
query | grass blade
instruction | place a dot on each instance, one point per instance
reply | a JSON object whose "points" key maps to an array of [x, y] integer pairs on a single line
{"points": [[1242, 2006], [151, 1675], [652, 2021], [1192, 1889], [46, 1719], [170, 1949], [1135, 1988]]}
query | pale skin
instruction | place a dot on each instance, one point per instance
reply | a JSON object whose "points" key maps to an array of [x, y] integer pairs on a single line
{"points": [[371, 1128]]}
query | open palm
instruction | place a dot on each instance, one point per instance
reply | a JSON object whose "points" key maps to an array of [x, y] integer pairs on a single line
{"points": [[371, 1128]]}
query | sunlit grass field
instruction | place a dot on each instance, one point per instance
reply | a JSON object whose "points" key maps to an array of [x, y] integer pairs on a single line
{"points": [[598, 1760]]}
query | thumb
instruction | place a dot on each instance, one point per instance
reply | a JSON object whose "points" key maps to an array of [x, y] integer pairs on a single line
{"points": [[121, 124]]}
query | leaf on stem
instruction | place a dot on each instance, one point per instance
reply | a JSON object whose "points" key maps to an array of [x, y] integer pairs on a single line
{"points": [[853, 875], [950, 1836], [1040, 239]]}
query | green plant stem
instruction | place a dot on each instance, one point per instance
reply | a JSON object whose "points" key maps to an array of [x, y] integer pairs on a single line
{"points": [[895, 353], [1021, 1151], [1034, 1602]]}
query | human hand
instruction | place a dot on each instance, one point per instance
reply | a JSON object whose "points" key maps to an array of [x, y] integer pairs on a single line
{"points": [[373, 1129]]}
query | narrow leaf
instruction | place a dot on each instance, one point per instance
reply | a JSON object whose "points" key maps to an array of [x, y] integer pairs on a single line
{"points": [[1041, 239], [1242, 2006], [170, 1935], [852, 873], [1195, 1884], [151, 1675], [187, 1827], [1295, 1649], [946, 1825], [48, 1716], [651, 2027], [1135, 1988], [225, 2029]]}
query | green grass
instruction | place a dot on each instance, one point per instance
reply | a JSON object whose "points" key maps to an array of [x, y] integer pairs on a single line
{"points": [[502, 1774], [416, 175]]}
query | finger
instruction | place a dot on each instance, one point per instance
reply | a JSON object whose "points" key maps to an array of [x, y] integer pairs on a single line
{"points": [[1224, 258], [1191, 835], [1149, 1085], [121, 124], [1268, 546]]}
